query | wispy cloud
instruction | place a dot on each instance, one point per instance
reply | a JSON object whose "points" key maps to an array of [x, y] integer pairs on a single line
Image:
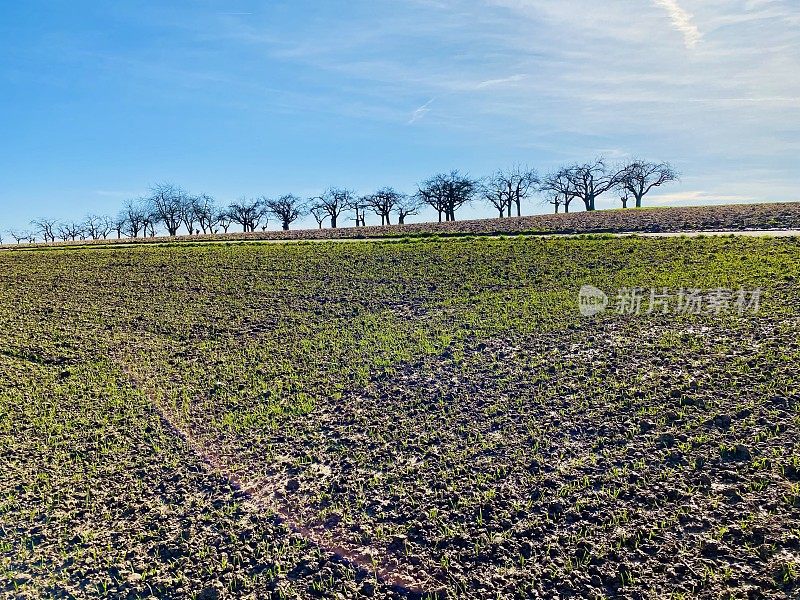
{"points": [[491, 83], [420, 112], [683, 22]]}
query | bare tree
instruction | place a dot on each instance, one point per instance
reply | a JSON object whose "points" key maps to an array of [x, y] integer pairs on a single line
{"points": [[118, 224], [334, 202], [166, 204], [287, 209], [640, 177], [513, 186], [359, 207], [319, 213], [448, 192], [247, 213], [432, 196], [591, 180], [106, 226], [133, 218], [206, 211], [224, 219], [46, 227], [383, 202], [189, 214], [497, 198], [69, 231], [406, 206], [558, 187], [93, 226], [151, 219], [19, 236]]}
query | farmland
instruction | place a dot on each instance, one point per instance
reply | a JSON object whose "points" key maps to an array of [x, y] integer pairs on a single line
{"points": [[405, 418]]}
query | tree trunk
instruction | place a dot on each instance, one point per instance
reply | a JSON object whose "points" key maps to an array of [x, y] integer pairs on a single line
{"points": [[519, 209], [333, 221], [639, 200], [401, 220], [285, 226]]}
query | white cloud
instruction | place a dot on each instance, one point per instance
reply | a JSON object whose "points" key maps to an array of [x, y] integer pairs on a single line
{"points": [[492, 83], [420, 112], [683, 22], [563, 80]]}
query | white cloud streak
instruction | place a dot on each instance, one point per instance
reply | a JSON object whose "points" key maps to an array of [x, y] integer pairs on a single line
{"points": [[491, 83], [683, 22], [420, 112]]}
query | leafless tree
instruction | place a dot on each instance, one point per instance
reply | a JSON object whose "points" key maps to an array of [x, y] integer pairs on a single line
{"points": [[383, 203], [133, 218], [558, 188], [287, 209], [46, 227], [224, 219], [118, 224], [334, 202], [247, 213], [166, 204], [359, 207], [319, 213], [624, 197], [189, 214], [93, 226], [151, 219], [556, 200], [448, 192], [496, 198], [512, 186], [206, 211], [406, 206], [640, 176], [69, 231], [106, 226], [19, 236], [591, 180], [432, 196]]}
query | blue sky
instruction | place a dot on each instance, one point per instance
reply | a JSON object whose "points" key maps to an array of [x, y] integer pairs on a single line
{"points": [[98, 100]]}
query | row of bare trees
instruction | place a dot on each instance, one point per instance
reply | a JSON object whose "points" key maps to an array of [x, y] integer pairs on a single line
{"points": [[170, 208], [587, 182]]}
